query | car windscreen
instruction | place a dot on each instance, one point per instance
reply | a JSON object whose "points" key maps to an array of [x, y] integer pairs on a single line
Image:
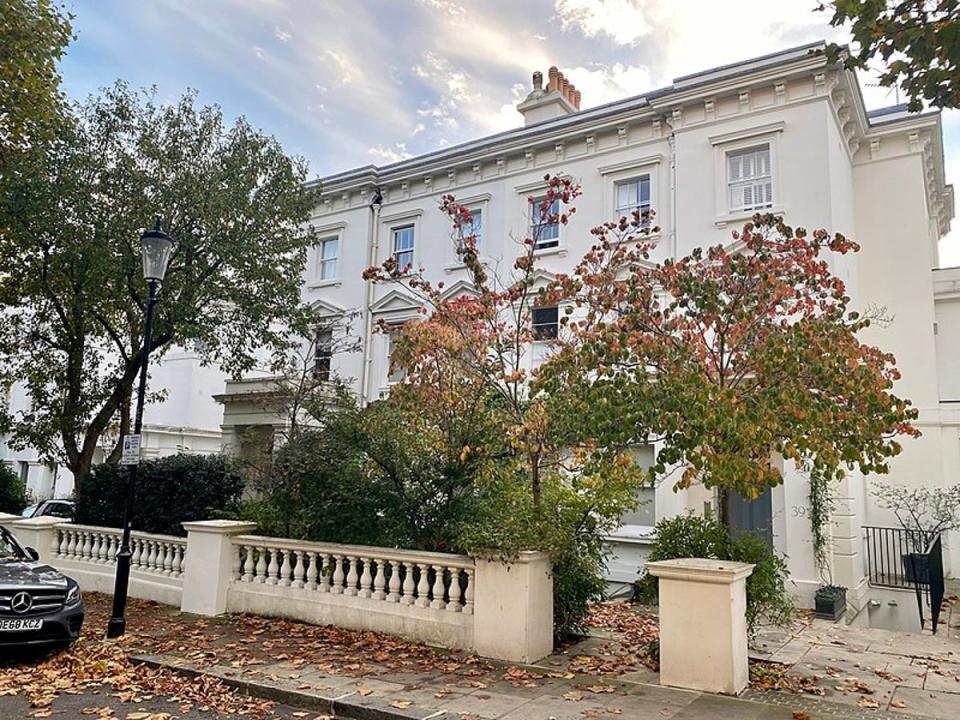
{"points": [[9, 550]]}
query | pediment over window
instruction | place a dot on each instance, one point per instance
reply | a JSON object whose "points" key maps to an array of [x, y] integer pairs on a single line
{"points": [[326, 309], [459, 289], [397, 303]]}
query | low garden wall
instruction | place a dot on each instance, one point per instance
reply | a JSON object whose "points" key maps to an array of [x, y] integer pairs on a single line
{"points": [[498, 609]]}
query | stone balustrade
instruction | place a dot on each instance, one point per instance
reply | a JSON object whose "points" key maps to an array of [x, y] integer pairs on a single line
{"points": [[500, 609], [162, 555]]}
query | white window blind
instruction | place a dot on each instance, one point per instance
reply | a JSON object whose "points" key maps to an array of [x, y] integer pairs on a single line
{"points": [[329, 249], [634, 194], [403, 246], [749, 179], [545, 226]]}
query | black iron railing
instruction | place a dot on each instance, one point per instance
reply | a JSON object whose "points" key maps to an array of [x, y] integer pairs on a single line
{"points": [[909, 560]]}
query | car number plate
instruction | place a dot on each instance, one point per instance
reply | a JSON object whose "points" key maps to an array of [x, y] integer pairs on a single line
{"points": [[19, 624]]}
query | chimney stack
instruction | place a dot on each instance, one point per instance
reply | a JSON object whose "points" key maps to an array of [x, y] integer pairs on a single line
{"points": [[559, 98]]}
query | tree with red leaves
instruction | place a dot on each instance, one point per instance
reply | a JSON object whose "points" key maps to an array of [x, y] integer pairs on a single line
{"points": [[724, 358]]}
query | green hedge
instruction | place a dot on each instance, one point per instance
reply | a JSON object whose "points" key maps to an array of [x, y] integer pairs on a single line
{"points": [[169, 491], [690, 536], [13, 495]]}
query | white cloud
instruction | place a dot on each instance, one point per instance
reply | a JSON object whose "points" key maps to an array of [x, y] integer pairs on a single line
{"points": [[259, 52], [623, 20], [281, 34], [386, 154]]}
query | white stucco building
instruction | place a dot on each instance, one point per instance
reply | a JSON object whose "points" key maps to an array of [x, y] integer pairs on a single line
{"points": [[188, 421], [784, 132]]}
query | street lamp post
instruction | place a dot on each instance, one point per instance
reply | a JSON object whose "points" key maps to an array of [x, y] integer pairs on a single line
{"points": [[156, 248]]}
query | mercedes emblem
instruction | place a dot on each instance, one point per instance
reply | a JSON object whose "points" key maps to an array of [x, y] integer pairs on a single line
{"points": [[21, 603]]}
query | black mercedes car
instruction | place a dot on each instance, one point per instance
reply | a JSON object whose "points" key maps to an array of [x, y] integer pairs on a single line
{"points": [[38, 605]]}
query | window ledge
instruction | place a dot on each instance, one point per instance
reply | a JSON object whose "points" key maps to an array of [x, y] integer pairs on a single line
{"points": [[454, 266], [559, 250], [740, 216], [334, 282]]}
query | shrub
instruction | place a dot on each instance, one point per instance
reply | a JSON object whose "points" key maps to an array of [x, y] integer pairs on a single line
{"points": [[170, 490], [706, 537], [13, 495]]}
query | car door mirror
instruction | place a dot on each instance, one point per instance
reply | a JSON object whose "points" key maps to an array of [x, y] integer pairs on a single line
{"points": [[32, 554]]}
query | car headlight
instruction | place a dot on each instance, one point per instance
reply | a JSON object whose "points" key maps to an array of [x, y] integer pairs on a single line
{"points": [[73, 596]]}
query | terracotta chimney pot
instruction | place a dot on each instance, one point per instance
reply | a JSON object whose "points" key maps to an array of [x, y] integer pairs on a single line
{"points": [[554, 74]]}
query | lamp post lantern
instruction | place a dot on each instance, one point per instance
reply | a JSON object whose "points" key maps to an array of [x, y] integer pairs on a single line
{"points": [[156, 248]]}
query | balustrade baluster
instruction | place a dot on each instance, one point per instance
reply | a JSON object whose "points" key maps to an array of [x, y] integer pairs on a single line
{"points": [[151, 555], [438, 602], [380, 580], [312, 572], [136, 548], [113, 546], [423, 587], [236, 563], [249, 563], [337, 581], [177, 569], [95, 548], [468, 593], [285, 568], [261, 572], [273, 567], [71, 543], [167, 559], [454, 591], [394, 595], [63, 545], [408, 585], [352, 576], [87, 544], [323, 567], [298, 569], [366, 578]]}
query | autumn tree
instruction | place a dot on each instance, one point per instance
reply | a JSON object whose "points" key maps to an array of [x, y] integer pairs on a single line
{"points": [[468, 366], [71, 287], [725, 357], [917, 40], [33, 37]]}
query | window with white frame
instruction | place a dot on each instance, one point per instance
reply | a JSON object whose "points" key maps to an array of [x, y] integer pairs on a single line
{"points": [[545, 323], [749, 178], [545, 223], [403, 239], [475, 227], [395, 373], [322, 354], [633, 194], [328, 250]]}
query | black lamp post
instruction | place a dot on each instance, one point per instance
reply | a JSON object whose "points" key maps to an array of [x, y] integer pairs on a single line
{"points": [[157, 248]]}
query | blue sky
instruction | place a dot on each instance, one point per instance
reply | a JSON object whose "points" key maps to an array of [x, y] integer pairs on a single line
{"points": [[351, 82]]}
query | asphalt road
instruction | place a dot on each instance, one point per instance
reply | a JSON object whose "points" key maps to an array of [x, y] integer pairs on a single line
{"points": [[84, 705], [72, 707]]}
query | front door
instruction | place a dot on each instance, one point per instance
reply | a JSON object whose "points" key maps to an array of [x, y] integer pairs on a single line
{"points": [[754, 516]]}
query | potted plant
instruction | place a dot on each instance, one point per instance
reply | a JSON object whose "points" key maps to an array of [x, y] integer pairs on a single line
{"points": [[923, 513], [830, 601]]}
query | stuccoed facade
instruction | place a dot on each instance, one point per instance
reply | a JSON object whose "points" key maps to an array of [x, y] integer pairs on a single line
{"points": [[789, 128], [186, 421]]}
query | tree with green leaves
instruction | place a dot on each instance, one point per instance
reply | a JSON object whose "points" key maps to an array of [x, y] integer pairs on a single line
{"points": [[918, 41], [33, 36], [72, 292]]}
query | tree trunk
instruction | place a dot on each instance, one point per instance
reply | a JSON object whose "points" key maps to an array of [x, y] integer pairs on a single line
{"points": [[114, 457]]}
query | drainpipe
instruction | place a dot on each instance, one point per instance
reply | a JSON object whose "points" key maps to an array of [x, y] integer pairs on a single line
{"points": [[373, 252], [672, 141]]}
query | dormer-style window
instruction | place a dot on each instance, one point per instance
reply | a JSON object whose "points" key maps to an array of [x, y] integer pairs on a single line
{"points": [[545, 223], [633, 194], [545, 323], [328, 250], [749, 179], [403, 241]]}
